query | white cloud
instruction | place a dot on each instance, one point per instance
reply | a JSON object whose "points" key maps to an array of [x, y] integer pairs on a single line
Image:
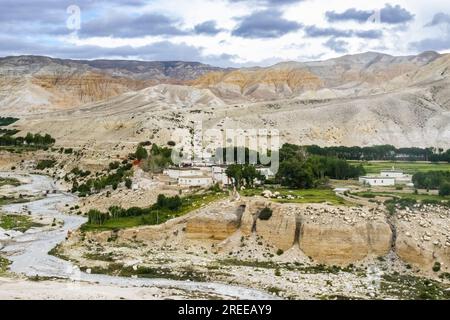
{"points": [[186, 15]]}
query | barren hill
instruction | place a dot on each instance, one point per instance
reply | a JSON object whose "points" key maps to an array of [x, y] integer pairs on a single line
{"points": [[362, 100]]}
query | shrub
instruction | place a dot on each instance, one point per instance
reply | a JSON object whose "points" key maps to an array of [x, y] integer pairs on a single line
{"points": [[45, 164], [265, 214], [114, 165], [128, 183], [68, 151], [437, 267], [171, 143], [279, 252], [141, 153], [171, 203], [444, 189]]}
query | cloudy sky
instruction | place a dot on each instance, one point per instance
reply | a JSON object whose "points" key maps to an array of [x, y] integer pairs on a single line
{"points": [[222, 32]]}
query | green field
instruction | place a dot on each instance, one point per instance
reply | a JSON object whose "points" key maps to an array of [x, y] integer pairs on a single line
{"points": [[408, 167], [9, 181], [190, 203], [302, 196], [17, 222]]}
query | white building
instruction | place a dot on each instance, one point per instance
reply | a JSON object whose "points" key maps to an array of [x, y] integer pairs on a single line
{"points": [[377, 181], [392, 173], [219, 175], [195, 181], [176, 173]]}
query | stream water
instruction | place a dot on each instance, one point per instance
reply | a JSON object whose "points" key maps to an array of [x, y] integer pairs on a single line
{"points": [[28, 252]]}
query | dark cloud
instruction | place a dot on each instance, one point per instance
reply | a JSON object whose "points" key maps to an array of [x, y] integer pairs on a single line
{"points": [[369, 34], [208, 28], [436, 44], [53, 11], [438, 19], [389, 14], [315, 32], [265, 24], [159, 51], [127, 26], [339, 46]]}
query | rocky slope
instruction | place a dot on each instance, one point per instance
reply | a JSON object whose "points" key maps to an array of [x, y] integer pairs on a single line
{"points": [[361, 100], [33, 84]]}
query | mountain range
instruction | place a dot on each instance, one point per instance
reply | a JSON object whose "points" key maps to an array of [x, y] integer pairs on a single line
{"points": [[363, 99]]}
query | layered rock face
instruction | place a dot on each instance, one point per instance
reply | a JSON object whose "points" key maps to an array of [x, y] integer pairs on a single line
{"points": [[260, 84], [215, 225], [345, 244], [34, 84], [279, 229], [336, 235], [327, 234]]}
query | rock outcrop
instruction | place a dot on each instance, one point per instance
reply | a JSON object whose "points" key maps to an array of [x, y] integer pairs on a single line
{"points": [[423, 237], [345, 244]]}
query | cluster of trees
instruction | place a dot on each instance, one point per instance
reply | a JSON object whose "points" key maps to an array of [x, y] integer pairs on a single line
{"points": [[381, 152], [157, 213], [113, 179], [437, 180], [157, 160], [6, 121], [45, 164], [243, 174], [299, 169], [236, 155], [30, 139], [8, 132]]}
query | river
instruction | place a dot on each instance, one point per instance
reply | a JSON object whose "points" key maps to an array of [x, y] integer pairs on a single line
{"points": [[28, 252]]}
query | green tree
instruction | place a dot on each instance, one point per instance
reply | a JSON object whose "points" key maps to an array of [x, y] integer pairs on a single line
{"points": [[444, 189], [141, 153]]}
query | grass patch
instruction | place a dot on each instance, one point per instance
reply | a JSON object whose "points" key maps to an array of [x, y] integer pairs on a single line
{"points": [[409, 167], [189, 203], [107, 257], [9, 181], [308, 269], [301, 195], [4, 265], [409, 287], [17, 223], [118, 269]]}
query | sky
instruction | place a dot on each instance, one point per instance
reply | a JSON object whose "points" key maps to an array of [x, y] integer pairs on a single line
{"points": [[225, 33]]}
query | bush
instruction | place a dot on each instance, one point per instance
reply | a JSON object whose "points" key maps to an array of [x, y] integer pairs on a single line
{"points": [[114, 165], [265, 214], [141, 153], [68, 151], [128, 183], [437, 267], [45, 164], [279, 252], [171, 203], [444, 189]]}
